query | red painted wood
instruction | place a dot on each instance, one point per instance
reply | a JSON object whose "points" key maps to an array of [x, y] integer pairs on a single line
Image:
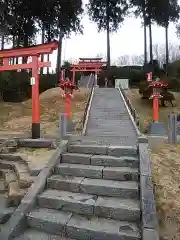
{"points": [[35, 91], [34, 52], [46, 48]]}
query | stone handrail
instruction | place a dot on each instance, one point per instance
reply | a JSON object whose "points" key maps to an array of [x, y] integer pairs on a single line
{"points": [[88, 102], [131, 108], [149, 221]]}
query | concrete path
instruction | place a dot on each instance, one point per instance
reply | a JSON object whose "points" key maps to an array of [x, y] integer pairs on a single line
{"points": [[109, 119], [86, 81]]}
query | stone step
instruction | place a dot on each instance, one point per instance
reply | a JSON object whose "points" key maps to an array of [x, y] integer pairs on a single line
{"points": [[48, 220], [100, 160], [33, 234], [76, 158], [101, 187], [79, 170], [99, 140], [81, 228], [86, 204], [88, 149], [90, 171], [5, 214], [95, 149], [110, 161]]}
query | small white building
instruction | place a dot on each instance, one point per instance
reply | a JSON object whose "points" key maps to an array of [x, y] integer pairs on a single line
{"points": [[123, 83]]}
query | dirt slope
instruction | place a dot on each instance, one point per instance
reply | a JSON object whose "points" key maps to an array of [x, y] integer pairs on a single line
{"points": [[16, 117]]}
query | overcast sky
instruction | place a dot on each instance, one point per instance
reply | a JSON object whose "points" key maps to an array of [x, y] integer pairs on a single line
{"points": [[128, 40]]}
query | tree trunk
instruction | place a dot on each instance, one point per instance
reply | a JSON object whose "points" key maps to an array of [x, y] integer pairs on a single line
{"points": [[167, 48], [2, 43], [145, 45], [108, 48], [17, 44], [59, 55], [49, 39], [150, 43], [13, 60], [108, 41], [25, 45], [42, 41], [145, 34]]}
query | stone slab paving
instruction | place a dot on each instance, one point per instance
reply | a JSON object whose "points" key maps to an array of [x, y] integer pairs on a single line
{"points": [[84, 82], [109, 119]]}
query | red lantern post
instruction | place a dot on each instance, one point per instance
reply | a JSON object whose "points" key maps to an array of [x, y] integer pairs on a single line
{"points": [[156, 128], [157, 86], [68, 88]]}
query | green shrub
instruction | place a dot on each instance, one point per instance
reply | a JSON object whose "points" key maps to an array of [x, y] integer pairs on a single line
{"points": [[15, 86]]}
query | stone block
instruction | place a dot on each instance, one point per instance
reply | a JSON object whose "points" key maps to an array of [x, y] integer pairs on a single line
{"points": [[145, 166], [148, 205], [33, 234], [66, 183], [118, 209], [142, 139], [77, 203], [5, 214], [110, 161], [79, 170], [76, 158], [157, 129], [96, 228], [36, 143], [38, 186], [150, 234], [88, 149], [48, 220], [119, 151], [120, 173], [110, 188], [17, 223]]}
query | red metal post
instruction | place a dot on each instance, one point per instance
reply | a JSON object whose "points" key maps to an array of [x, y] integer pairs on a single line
{"points": [[68, 106], [156, 107], [35, 99]]}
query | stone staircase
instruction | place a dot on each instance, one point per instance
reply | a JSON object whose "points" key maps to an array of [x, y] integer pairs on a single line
{"points": [[93, 194]]}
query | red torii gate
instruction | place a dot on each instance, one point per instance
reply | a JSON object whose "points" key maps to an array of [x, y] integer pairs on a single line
{"points": [[87, 65], [35, 64]]}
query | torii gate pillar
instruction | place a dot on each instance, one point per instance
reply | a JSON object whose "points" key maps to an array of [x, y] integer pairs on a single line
{"points": [[35, 100]]}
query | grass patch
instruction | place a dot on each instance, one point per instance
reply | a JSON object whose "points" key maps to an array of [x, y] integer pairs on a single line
{"points": [[144, 109], [16, 117], [165, 162]]}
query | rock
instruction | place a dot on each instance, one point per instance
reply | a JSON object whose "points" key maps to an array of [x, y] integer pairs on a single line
{"points": [[14, 194], [10, 176]]}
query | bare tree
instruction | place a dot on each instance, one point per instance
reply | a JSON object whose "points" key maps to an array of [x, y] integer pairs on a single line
{"points": [[124, 60], [137, 60], [159, 52]]}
